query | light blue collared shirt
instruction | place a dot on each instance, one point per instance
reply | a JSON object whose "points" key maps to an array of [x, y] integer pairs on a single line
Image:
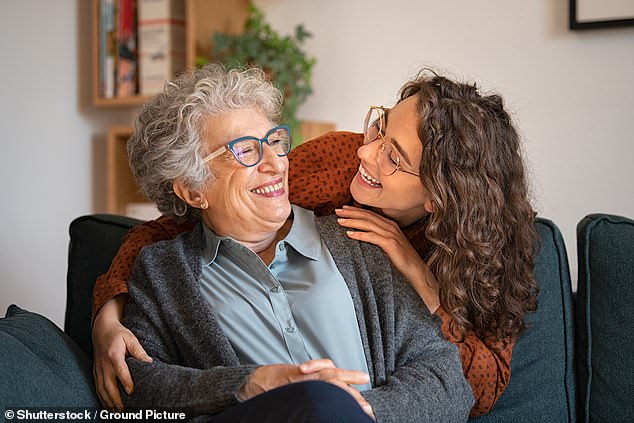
{"points": [[296, 309]]}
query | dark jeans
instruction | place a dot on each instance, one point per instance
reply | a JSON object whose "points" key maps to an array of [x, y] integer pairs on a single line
{"points": [[314, 401]]}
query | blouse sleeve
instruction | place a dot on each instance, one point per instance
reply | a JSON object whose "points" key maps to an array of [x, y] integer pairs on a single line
{"points": [[486, 364], [320, 172]]}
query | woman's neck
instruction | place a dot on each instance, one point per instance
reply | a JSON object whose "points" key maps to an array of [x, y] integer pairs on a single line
{"points": [[266, 252]]}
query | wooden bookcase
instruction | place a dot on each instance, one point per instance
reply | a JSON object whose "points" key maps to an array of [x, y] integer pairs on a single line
{"points": [[203, 18]]}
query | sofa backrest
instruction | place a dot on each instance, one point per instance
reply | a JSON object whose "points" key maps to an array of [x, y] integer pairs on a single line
{"points": [[605, 318], [542, 375], [542, 385], [94, 241]]}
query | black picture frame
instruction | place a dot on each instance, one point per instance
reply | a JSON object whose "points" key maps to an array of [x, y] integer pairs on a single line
{"points": [[576, 24]]}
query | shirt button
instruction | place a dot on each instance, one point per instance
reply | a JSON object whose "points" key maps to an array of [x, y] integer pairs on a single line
{"points": [[290, 329], [275, 289]]}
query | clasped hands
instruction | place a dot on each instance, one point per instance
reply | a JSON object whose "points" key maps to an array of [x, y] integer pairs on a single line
{"points": [[113, 341], [272, 376]]}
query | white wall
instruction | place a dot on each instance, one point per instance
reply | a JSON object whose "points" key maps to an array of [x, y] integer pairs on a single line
{"points": [[571, 94], [51, 143]]}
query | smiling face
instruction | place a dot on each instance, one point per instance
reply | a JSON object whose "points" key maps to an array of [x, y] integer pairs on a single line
{"points": [[245, 203], [400, 196]]}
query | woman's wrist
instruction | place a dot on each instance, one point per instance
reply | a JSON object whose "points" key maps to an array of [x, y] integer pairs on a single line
{"points": [[425, 284], [112, 309]]}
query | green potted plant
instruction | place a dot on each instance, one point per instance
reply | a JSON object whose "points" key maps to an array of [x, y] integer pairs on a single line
{"points": [[281, 57]]}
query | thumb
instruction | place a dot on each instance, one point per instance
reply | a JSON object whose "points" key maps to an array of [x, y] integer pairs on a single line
{"points": [[136, 350], [312, 366]]}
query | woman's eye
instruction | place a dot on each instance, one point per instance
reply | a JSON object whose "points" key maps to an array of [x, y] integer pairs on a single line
{"points": [[244, 151]]}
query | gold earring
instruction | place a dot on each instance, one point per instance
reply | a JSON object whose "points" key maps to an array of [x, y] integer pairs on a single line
{"points": [[203, 205]]}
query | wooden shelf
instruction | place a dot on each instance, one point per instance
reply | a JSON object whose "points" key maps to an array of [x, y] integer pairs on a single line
{"points": [[121, 187]]}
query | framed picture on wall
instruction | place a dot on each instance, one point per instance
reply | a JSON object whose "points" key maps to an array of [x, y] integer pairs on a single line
{"points": [[589, 14]]}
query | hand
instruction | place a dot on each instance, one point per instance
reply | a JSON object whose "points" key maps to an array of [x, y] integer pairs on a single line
{"points": [[387, 235], [112, 342], [313, 366], [271, 376]]}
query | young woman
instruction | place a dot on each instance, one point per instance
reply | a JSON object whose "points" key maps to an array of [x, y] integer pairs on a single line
{"points": [[443, 178]]}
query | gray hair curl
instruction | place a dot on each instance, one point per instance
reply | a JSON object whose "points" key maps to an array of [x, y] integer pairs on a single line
{"points": [[168, 139]]}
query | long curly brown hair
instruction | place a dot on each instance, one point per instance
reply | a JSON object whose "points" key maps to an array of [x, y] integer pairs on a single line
{"points": [[481, 233]]}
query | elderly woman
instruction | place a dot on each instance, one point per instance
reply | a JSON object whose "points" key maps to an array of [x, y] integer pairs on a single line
{"points": [[261, 294]]}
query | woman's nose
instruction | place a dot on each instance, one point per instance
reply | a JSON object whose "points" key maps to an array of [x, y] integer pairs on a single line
{"points": [[271, 161], [367, 152]]}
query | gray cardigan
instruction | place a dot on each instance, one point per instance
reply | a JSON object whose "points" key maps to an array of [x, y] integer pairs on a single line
{"points": [[416, 375]]}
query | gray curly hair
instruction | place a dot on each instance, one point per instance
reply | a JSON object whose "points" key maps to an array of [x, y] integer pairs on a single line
{"points": [[168, 140]]}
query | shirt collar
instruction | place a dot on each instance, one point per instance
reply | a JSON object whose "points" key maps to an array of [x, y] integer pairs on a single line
{"points": [[303, 237], [212, 243]]}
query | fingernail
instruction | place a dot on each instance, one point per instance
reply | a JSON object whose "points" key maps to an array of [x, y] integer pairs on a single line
{"points": [[367, 408]]}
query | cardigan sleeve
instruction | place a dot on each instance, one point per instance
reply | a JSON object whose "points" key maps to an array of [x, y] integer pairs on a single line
{"points": [[426, 383], [173, 380], [320, 172], [486, 364]]}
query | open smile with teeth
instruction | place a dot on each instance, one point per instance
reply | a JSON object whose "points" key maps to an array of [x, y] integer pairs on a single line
{"points": [[367, 178], [270, 189]]}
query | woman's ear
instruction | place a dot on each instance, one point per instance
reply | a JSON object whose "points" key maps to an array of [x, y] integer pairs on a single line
{"points": [[429, 206], [193, 198]]}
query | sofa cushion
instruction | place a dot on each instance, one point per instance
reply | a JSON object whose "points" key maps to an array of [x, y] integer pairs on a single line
{"points": [[605, 318], [94, 241], [542, 385], [40, 365]]}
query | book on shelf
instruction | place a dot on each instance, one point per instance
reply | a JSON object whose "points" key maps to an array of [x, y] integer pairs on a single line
{"points": [[161, 43], [126, 74], [107, 48]]}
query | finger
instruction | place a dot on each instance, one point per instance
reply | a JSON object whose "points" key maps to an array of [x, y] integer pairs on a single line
{"points": [[123, 374], [312, 366], [102, 391], [111, 387], [350, 377], [386, 244], [366, 226], [367, 408], [369, 215], [135, 349], [369, 221]]}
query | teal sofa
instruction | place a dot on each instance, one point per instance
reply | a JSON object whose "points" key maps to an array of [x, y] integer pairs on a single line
{"points": [[573, 364]]}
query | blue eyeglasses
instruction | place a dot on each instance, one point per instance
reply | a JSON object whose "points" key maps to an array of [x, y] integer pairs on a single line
{"points": [[248, 150]]}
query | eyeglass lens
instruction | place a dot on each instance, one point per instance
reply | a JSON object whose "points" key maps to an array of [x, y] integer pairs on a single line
{"points": [[249, 150], [374, 125], [388, 160]]}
